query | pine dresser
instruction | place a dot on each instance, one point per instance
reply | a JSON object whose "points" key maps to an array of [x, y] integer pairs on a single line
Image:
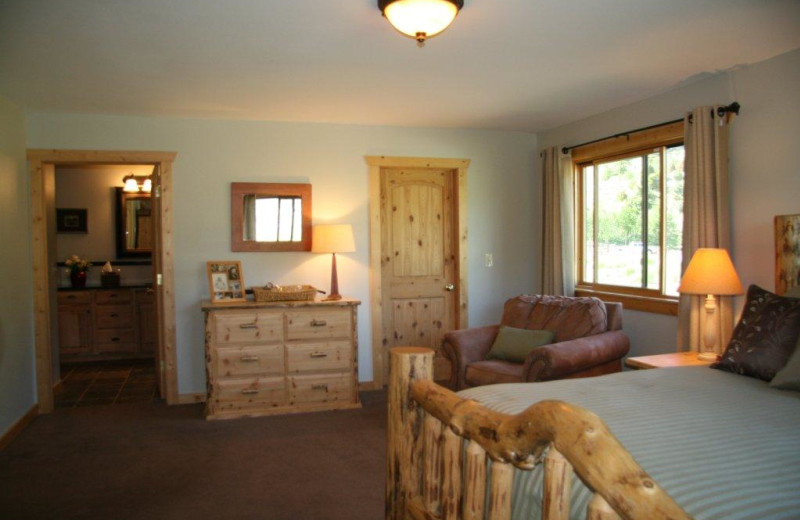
{"points": [[267, 358]]}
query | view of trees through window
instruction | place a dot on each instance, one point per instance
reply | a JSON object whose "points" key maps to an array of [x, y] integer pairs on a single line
{"points": [[632, 205]]}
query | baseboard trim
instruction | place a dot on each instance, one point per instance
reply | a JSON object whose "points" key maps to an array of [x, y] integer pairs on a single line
{"points": [[191, 398], [18, 426]]}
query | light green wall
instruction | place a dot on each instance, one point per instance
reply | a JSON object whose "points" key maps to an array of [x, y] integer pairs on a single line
{"points": [[764, 159], [17, 380], [212, 154]]}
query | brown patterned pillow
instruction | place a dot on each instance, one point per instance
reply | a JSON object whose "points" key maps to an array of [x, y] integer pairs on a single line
{"points": [[765, 336]]}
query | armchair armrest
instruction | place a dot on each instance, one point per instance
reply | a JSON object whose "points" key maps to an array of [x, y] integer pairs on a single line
{"points": [[462, 347], [560, 360]]}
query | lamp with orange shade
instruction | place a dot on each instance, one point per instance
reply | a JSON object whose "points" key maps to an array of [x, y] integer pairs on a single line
{"points": [[711, 273], [333, 238]]}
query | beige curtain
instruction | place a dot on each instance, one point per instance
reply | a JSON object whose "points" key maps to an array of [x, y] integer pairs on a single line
{"points": [[558, 276], [706, 217]]}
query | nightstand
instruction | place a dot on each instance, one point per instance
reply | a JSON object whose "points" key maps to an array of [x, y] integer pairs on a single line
{"points": [[673, 359]]}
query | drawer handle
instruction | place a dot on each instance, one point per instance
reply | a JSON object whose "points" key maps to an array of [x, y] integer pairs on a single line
{"points": [[71, 296], [248, 359], [318, 323], [249, 391], [112, 295], [114, 339], [318, 354], [248, 326], [114, 315], [319, 387]]}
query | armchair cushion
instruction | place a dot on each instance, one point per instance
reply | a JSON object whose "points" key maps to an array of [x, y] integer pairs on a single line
{"points": [[513, 344]]}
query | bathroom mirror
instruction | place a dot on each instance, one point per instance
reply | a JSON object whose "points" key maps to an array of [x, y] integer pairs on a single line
{"points": [[134, 224], [270, 216]]}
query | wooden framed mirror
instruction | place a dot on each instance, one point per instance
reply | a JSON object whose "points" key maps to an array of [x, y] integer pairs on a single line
{"points": [[270, 216], [134, 224]]}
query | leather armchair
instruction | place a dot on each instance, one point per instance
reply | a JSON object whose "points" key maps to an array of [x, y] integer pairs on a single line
{"points": [[598, 352]]}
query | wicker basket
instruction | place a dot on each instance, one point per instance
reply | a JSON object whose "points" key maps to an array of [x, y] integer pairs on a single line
{"points": [[284, 293]]}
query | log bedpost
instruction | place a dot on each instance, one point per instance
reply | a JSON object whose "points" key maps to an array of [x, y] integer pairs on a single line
{"points": [[404, 427]]}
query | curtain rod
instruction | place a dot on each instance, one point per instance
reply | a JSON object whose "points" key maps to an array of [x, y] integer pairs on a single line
{"points": [[721, 111]]}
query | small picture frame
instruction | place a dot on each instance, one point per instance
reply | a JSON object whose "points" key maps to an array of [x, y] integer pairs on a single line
{"points": [[71, 220], [225, 281]]}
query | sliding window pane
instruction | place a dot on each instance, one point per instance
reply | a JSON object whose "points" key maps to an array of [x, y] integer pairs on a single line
{"points": [[653, 244], [674, 211], [619, 222], [588, 224]]}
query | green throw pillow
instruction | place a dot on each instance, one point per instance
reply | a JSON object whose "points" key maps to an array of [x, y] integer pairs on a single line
{"points": [[512, 344]]}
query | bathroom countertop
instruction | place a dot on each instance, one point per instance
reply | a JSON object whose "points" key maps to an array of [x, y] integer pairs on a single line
{"points": [[100, 288]]}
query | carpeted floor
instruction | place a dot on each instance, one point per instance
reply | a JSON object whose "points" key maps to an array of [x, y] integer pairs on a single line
{"points": [[150, 461]]}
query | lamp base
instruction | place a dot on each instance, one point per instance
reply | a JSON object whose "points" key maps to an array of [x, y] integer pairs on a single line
{"points": [[332, 297], [707, 356]]}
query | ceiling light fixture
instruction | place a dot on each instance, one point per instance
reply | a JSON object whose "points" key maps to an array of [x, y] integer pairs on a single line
{"points": [[420, 19]]}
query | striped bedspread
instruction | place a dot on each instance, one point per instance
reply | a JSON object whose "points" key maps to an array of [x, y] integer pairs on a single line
{"points": [[722, 445]]}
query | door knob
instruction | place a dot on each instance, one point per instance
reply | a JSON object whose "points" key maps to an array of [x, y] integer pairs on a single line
{"points": [[450, 287]]}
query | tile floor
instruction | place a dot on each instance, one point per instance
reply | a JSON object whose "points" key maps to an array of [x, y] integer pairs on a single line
{"points": [[106, 382]]}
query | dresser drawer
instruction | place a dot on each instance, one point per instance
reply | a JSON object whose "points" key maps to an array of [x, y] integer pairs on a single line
{"points": [[316, 357], [318, 324], [236, 394], [248, 327], [114, 340], [114, 317], [249, 361], [319, 388], [113, 297], [69, 297]]}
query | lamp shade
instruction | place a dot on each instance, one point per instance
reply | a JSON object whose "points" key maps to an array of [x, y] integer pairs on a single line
{"points": [[420, 19], [710, 271], [130, 184], [332, 238]]}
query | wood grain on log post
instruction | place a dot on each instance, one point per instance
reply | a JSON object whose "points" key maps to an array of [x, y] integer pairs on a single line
{"points": [[432, 464], [475, 482], [557, 486], [404, 427], [451, 489], [500, 493]]}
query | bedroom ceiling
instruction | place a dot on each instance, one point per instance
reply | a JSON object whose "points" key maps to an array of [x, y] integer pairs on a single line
{"points": [[525, 65]]}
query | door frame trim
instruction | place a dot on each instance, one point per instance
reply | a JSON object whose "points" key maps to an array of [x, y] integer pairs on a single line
{"points": [[38, 160], [376, 164]]}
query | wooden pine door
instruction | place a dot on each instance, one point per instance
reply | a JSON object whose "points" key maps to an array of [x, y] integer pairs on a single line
{"points": [[418, 259]]}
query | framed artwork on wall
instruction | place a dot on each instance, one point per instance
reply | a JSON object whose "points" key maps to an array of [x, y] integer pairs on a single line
{"points": [[787, 252], [71, 220], [225, 281]]}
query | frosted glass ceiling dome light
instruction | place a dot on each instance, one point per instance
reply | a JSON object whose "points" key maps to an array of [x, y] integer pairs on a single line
{"points": [[420, 19]]}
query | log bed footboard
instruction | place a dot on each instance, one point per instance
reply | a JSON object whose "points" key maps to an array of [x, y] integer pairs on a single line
{"points": [[431, 475]]}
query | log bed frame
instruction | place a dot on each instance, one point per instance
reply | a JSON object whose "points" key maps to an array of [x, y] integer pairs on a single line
{"points": [[428, 478]]}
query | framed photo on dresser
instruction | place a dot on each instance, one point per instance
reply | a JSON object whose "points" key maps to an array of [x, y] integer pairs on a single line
{"points": [[225, 281]]}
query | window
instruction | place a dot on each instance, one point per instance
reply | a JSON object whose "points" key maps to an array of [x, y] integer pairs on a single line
{"points": [[630, 220]]}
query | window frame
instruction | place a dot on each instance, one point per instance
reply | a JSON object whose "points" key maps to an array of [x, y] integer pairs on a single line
{"points": [[619, 147]]}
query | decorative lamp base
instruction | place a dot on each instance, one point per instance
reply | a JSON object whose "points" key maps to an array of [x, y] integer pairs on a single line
{"points": [[707, 356]]}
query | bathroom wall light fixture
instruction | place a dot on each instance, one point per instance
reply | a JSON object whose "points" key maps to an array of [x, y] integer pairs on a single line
{"points": [[134, 184]]}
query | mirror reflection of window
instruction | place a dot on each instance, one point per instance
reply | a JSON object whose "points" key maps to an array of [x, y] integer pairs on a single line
{"points": [[273, 219]]}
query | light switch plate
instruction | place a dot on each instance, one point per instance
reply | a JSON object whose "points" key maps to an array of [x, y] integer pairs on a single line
{"points": [[488, 260]]}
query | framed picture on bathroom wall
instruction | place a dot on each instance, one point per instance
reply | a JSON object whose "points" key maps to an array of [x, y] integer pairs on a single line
{"points": [[787, 252], [225, 281], [71, 220]]}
